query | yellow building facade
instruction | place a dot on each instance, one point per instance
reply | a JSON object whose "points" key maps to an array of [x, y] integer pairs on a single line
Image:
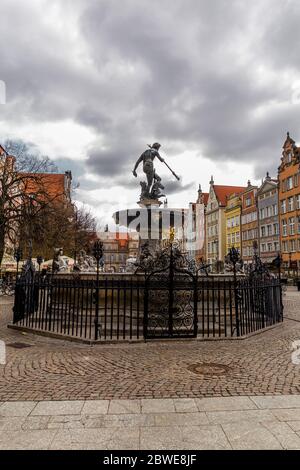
{"points": [[233, 211]]}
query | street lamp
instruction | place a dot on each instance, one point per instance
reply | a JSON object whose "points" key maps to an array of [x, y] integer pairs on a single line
{"points": [[18, 257], [98, 254]]}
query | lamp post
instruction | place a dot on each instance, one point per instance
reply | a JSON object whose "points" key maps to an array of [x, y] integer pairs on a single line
{"points": [[98, 254], [18, 257]]}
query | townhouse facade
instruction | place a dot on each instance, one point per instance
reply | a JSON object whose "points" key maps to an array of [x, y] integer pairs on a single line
{"points": [[118, 248], [249, 222], [289, 204], [215, 222], [268, 219], [233, 222]]}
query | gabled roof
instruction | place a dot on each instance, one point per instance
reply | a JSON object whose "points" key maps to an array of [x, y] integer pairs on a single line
{"points": [[205, 198], [289, 140], [52, 183], [222, 192]]}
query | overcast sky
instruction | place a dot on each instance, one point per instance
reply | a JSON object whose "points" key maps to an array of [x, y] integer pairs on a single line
{"points": [[91, 83]]}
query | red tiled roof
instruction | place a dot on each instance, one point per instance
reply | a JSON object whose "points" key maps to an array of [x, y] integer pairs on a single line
{"points": [[222, 192], [52, 183], [205, 198]]}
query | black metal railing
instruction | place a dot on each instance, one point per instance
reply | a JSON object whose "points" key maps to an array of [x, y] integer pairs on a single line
{"points": [[113, 307]]}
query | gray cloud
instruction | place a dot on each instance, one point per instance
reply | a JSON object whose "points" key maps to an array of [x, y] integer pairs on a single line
{"points": [[216, 77]]}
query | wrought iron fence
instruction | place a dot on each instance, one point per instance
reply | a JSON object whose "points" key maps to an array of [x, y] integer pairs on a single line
{"points": [[117, 307]]}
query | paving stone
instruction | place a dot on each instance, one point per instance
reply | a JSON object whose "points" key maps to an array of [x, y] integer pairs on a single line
{"points": [[251, 436], [78, 439], [284, 434], [20, 408], [66, 422], [128, 420], [205, 438], [223, 417], [180, 419], [224, 403], [9, 423], [285, 401], [185, 405], [124, 406], [287, 415], [95, 407], [163, 405], [35, 423], [124, 440], [160, 438], [295, 425], [58, 408], [20, 440]]}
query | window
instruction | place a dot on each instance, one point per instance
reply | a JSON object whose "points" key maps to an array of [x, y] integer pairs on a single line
{"points": [[237, 237], [270, 246], [233, 238], [262, 213], [248, 201], [296, 180], [292, 225], [275, 229], [275, 209], [289, 183], [263, 231], [285, 246], [263, 247], [298, 201], [293, 245], [284, 228], [276, 246], [290, 204], [283, 206], [269, 230]]}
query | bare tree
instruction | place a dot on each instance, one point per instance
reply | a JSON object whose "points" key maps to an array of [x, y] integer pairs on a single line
{"points": [[59, 225], [23, 190]]}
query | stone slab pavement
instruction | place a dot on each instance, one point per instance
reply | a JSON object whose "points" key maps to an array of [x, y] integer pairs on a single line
{"points": [[253, 422]]}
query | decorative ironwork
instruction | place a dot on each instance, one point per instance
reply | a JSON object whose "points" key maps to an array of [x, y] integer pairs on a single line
{"points": [[170, 290], [258, 269], [169, 296]]}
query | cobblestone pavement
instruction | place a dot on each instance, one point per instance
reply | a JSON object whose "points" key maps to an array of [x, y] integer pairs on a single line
{"points": [[255, 422], [51, 369]]}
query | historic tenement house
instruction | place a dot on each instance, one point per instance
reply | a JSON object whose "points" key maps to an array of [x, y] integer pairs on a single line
{"points": [[215, 222], [289, 203], [268, 219], [233, 222], [249, 222], [118, 248]]}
